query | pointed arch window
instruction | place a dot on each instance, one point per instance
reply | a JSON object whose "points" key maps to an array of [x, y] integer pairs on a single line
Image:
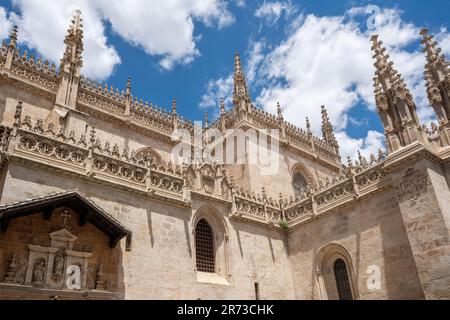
{"points": [[204, 245], [299, 183], [342, 280]]}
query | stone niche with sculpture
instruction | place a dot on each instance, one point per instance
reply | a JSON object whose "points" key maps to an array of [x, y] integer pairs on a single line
{"points": [[58, 266], [60, 253]]}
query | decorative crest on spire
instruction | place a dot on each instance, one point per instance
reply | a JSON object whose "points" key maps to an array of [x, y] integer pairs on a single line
{"points": [[128, 92], [74, 41], [308, 127], [13, 37], [279, 112], [437, 78], [394, 101], [327, 128], [206, 120], [174, 106], [241, 96], [222, 106], [71, 64]]}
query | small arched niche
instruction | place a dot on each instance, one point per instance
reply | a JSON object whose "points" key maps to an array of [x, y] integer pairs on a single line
{"points": [[210, 239], [335, 274]]}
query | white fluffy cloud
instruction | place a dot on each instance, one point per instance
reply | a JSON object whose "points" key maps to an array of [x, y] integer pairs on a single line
{"points": [[272, 11], [47, 35], [162, 28], [328, 61], [369, 145], [216, 90], [240, 3], [5, 24]]}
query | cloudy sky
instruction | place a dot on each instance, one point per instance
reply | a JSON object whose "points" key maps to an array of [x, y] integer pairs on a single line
{"points": [[303, 54]]}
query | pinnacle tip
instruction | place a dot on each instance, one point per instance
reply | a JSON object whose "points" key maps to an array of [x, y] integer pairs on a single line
{"points": [[424, 31], [374, 38]]}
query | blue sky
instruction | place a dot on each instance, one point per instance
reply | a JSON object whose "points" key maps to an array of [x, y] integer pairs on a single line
{"points": [[301, 53]]}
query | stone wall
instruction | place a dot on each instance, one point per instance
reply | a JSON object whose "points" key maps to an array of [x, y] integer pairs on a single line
{"points": [[161, 264], [423, 197], [372, 232]]}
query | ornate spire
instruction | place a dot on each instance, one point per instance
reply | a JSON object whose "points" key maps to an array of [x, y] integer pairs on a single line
{"points": [[308, 127], [13, 37], [327, 128], [74, 41], [174, 106], [128, 90], [241, 96], [437, 78], [385, 72], [71, 64], [279, 112], [387, 80], [11, 47], [394, 101], [222, 116], [222, 107], [206, 120]]}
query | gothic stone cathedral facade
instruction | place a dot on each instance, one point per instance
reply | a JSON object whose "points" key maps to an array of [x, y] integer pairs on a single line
{"points": [[92, 207]]}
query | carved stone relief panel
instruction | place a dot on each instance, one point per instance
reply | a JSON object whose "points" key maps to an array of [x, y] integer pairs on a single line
{"points": [[59, 264], [412, 184]]}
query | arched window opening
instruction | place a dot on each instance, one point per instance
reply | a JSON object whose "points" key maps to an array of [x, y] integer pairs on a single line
{"points": [[204, 244], [342, 280], [299, 183]]}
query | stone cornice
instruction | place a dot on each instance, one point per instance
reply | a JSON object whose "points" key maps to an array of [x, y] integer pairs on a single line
{"points": [[410, 153], [124, 121], [211, 198]]}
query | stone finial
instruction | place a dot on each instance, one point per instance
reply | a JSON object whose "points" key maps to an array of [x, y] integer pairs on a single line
{"points": [[206, 120], [222, 106], [71, 64], [237, 63], [308, 127], [349, 162], [393, 97], [380, 155], [174, 106], [13, 37], [74, 41], [437, 77], [327, 128], [387, 78], [12, 49], [128, 90], [279, 111], [360, 157], [241, 96], [77, 22]]}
